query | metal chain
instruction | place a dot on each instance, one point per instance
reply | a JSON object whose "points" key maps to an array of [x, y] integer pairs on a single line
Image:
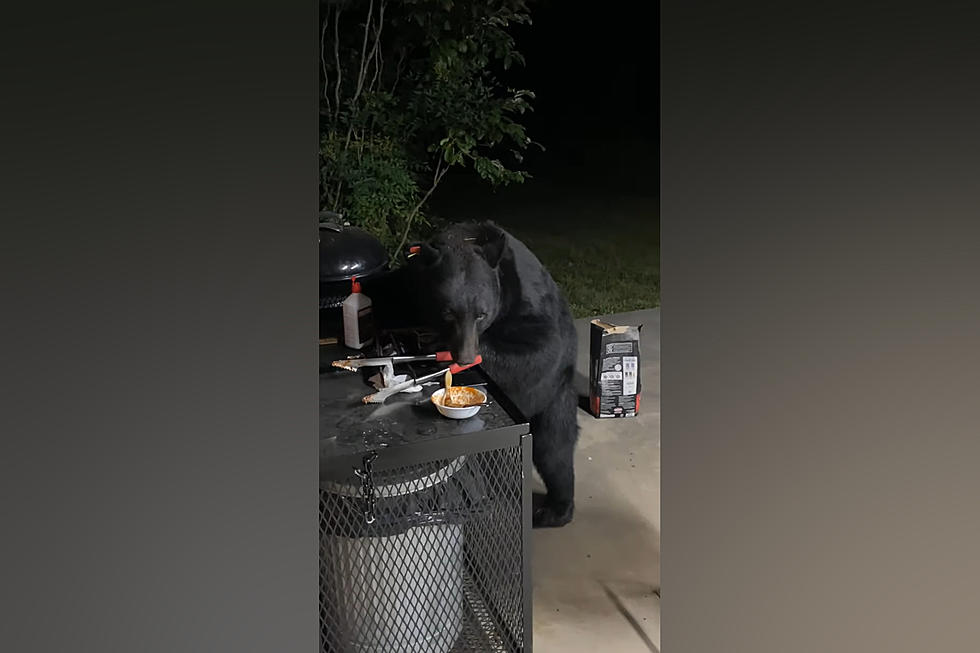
{"points": [[367, 485]]}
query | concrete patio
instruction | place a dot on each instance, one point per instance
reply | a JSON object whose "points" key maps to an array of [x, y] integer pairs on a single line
{"points": [[597, 580]]}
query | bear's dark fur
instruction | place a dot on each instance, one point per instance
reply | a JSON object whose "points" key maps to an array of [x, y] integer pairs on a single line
{"points": [[490, 295]]}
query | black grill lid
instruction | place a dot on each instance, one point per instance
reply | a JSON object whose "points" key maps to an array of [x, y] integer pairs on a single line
{"points": [[347, 251]]}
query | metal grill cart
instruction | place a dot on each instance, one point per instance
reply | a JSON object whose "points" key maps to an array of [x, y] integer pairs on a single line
{"points": [[425, 522]]}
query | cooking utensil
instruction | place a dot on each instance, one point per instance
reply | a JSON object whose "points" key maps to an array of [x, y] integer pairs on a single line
{"points": [[354, 364], [387, 363], [380, 396]]}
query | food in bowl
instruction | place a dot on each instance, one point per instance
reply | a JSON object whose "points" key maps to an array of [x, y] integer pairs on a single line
{"points": [[475, 400], [462, 397]]}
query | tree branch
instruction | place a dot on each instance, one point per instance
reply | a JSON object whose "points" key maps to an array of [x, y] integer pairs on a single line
{"points": [[362, 73], [336, 53], [436, 178], [376, 51], [398, 69], [365, 63], [323, 62]]}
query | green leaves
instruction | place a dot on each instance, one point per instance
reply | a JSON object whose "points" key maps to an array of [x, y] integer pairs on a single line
{"points": [[495, 172], [379, 186], [422, 97]]}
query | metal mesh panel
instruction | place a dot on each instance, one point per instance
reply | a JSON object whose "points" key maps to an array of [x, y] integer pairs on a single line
{"points": [[432, 565]]}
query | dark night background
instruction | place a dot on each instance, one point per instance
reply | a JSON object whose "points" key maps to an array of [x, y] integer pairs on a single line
{"points": [[595, 73]]}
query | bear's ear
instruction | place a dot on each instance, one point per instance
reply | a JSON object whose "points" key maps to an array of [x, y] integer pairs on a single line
{"points": [[492, 242]]}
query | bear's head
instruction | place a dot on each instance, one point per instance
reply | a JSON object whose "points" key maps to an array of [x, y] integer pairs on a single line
{"points": [[462, 282]]}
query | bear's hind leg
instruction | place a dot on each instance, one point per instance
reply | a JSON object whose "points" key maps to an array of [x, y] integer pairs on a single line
{"points": [[554, 434]]}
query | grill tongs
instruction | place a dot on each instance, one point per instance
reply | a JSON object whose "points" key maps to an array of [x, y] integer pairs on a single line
{"points": [[380, 396], [387, 363]]}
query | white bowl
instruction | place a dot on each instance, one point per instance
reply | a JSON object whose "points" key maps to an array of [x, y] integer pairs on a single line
{"points": [[457, 413]]}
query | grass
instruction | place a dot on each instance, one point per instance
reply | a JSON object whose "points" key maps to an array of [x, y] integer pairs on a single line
{"points": [[600, 273]]}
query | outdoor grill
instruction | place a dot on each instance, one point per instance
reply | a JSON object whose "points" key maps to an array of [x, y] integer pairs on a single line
{"points": [[424, 521], [345, 252]]}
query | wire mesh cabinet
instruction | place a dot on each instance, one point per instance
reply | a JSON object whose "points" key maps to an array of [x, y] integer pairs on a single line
{"points": [[424, 546]]}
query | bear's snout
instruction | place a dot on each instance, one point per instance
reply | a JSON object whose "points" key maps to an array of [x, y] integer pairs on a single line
{"points": [[466, 345]]}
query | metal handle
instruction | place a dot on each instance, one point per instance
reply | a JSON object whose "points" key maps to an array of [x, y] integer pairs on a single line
{"points": [[366, 474], [353, 363]]}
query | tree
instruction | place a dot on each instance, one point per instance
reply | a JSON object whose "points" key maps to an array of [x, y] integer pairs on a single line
{"points": [[410, 89]]}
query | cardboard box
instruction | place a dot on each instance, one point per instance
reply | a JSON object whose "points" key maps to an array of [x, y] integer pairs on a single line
{"points": [[614, 370]]}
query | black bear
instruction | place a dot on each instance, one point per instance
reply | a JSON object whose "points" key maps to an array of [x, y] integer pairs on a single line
{"points": [[492, 296]]}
